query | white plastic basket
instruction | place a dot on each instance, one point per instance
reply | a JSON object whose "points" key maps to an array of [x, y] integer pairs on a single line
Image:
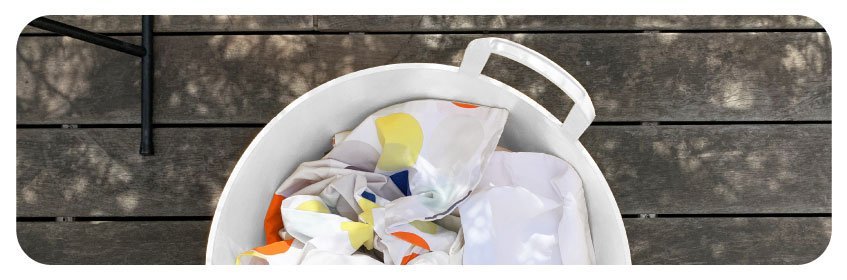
{"points": [[301, 131]]}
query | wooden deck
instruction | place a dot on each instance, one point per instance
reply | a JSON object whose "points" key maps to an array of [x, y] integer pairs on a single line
{"points": [[719, 125]]}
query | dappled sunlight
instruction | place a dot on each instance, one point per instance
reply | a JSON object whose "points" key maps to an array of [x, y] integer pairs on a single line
{"points": [[181, 23], [128, 201], [630, 77], [792, 72], [724, 87], [56, 84], [761, 240], [551, 22], [98, 23], [713, 22], [250, 78], [734, 95], [667, 38], [98, 172], [812, 58], [61, 77], [673, 169], [217, 89], [683, 76], [29, 195]]}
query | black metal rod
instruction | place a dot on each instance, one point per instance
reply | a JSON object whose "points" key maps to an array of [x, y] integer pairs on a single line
{"points": [[147, 86], [88, 36]]}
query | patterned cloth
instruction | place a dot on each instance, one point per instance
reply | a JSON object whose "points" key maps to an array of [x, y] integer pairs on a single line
{"points": [[378, 191]]}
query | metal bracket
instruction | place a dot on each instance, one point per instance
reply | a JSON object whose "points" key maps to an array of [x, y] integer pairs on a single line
{"points": [[145, 52]]}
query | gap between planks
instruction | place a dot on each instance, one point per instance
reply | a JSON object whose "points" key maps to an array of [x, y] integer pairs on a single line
{"points": [[462, 32], [209, 218], [603, 123]]}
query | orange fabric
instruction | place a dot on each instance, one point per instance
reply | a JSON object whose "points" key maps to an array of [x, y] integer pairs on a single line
{"points": [[275, 248], [412, 238], [273, 220], [464, 105], [408, 258]]}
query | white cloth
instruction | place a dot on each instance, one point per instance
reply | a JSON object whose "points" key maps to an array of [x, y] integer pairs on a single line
{"points": [[431, 258], [310, 221], [440, 146], [318, 257], [383, 184], [529, 208]]}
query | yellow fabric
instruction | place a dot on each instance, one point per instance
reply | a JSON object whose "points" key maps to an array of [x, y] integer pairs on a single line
{"points": [[401, 138], [367, 210], [359, 234], [313, 206]]}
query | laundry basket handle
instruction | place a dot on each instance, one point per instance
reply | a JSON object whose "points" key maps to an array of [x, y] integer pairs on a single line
{"points": [[582, 113]]}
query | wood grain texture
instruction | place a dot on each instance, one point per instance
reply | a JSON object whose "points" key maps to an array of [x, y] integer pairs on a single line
{"points": [[664, 169], [179, 242], [785, 240], [217, 23], [93, 23], [98, 172], [181, 23], [517, 23], [61, 79], [782, 72], [249, 79], [716, 168]]}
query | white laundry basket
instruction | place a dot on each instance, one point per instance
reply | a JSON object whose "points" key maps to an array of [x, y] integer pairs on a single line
{"points": [[301, 132]]}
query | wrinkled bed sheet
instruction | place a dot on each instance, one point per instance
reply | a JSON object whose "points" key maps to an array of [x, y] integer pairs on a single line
{"points": [[424, 182]]}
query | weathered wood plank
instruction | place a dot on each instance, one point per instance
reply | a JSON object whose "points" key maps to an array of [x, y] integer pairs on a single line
{"points": [[180, 23], [716, 169], [100, 24], [214, 23], [661, 169], [178, 242], [434, 23], [784, 240], [217, 23], [98, 172], [249, 79], [64, 80]]}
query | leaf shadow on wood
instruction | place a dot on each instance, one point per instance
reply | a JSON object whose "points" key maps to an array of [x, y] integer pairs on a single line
{"points": [[244, 78], [518, 23], [250, 78], [99, 173]]}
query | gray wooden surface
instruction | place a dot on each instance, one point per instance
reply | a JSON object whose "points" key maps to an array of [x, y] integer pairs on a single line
{"points": [[250, 78], [704, 169], [177, 23], [721, 125], [784, 240], [110, 242]]}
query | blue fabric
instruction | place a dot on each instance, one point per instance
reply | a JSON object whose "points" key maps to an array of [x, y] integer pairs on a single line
{"points": [[401, 180], [369, 196]]}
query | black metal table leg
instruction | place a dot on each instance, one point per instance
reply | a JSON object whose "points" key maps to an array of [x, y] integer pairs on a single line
{"points": [[147, 86], [145, 51]]}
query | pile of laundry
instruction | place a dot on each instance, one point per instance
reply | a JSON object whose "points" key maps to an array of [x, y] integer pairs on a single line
{"points": [[425, 182]]}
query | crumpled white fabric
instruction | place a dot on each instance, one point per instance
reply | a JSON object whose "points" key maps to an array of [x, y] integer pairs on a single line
{"points": [[402, 168], [441, 145], [529, 208], [309, 220], [317, 257]]}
